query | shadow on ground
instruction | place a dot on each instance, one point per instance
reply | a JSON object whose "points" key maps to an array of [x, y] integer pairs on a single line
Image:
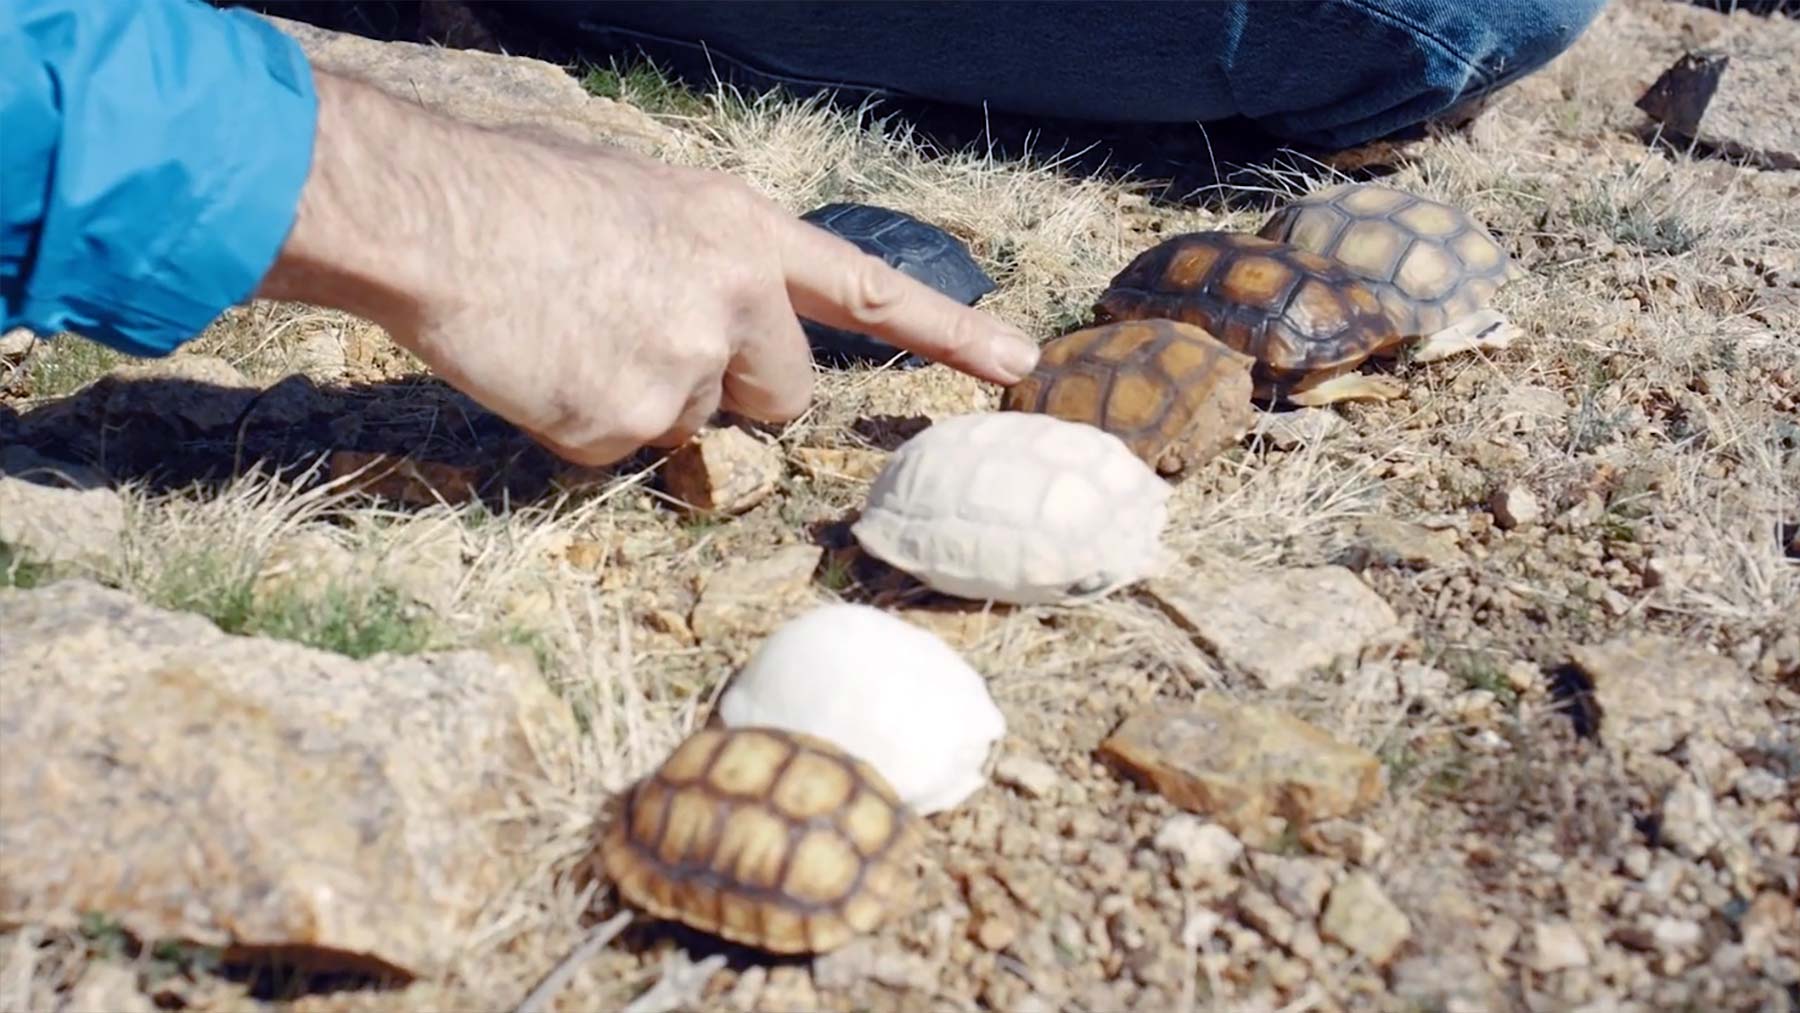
{"points": [[170, 433]]}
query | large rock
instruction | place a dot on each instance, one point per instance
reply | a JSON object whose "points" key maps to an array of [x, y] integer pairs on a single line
{"points": [[1736, 96], [257, 795], [52, 522], [1241, 764], [1279, 626], [1655, 692], [488, 89]]}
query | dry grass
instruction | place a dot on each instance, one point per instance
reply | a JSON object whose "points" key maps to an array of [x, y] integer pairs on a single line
{"points": [[1642, 320]]}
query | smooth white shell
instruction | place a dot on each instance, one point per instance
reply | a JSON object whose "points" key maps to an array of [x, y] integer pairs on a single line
{"points": [[887, 691], [1016, 507]]}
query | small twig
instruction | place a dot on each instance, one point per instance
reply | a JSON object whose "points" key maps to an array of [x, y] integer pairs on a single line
{"points": [[680, 983], [553, 982]]}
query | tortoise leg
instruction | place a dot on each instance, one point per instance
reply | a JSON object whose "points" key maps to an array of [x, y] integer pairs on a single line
{"points": [[1346, 387], [1487, 330]]}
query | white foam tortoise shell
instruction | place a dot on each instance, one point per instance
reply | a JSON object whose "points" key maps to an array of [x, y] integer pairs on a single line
{"points": [[882, 689], [1016, 507]]}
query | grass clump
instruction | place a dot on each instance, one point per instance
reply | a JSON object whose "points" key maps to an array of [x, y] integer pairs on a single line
{"points": [[350, 618], [645, 85]]}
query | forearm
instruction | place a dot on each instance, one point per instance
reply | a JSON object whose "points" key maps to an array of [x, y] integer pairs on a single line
{"points": [[380, 200], [153, 155]]}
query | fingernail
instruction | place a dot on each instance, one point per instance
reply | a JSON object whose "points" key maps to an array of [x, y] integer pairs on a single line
{"points": [[1017, 355]]}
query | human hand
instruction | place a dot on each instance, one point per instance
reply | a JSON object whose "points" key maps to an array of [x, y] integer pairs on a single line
{"points": [[598, 300]]}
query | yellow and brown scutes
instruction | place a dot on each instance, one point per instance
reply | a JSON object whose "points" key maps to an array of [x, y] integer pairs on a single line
{"points": [[768, 838], [1429, 263], [1295, 312], [1144, 381]]}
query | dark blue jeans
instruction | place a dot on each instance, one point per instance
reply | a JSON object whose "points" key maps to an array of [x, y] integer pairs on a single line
{"points": [[1328, 73]]}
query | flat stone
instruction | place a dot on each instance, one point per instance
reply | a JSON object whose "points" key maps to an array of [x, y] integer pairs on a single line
{"points": [[1240, 764], [257, 795], [1362, 918], [724, 471], [403, 479], [1344, 839], [753, 597], [1278, 626]]}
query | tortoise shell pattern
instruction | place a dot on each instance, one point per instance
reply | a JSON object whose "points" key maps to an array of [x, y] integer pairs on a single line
{"points": [[769, 838], [1295, 312], [1430, 263], [1141, 380]]}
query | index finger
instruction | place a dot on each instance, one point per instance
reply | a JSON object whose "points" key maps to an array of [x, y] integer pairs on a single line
{"points": [[831, 281]]}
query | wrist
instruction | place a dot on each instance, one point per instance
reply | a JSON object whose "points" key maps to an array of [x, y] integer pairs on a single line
{"points": [[373, 212]]}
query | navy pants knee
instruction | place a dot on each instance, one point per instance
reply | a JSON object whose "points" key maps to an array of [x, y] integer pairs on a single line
{"points": [[1330, 73]]}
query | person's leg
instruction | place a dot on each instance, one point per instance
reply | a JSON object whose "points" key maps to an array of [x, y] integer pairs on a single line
{"points": [[1332, 73]]}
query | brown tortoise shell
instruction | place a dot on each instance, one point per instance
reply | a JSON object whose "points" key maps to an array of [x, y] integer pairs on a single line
{"points": [[1430, 263], [1148, 382], [1300, 315], [770, 838]]}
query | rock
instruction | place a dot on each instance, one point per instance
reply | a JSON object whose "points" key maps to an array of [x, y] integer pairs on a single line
{"points": [[1526, 407], [1362, 918], [1203, 848], [503, 92], [1655, 692], [1301, 427], [54, 524], [1556, 946], [105, 985], [833, 464], [725, 471], [1515, 507], [304, 563], [1455, 982], [16, 342], [1736, 99], [1382, 541], [321, 357], [1690, 821], [1674, 934], [1297, 884], [1769, 919], [1259, 911], [1033, 778], [753, 597], [423, 560], [403, 479], [256, 795], [1343, 839], [1279, 626], [1241, 764]]}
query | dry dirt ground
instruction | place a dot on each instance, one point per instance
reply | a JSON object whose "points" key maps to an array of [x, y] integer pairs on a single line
{"points": [[1652, 411]]}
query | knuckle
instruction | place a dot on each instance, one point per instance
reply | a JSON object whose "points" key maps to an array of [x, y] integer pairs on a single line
{"points": [[873, 292]]}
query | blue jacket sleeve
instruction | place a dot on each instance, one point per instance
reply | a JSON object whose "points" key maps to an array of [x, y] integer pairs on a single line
{"points": [[152, 154]]}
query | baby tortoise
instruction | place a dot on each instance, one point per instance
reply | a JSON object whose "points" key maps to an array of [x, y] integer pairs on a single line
{"points": [[1172, 392], [1433, 266], [1307, 320], [770, 838], [907, 244]]}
